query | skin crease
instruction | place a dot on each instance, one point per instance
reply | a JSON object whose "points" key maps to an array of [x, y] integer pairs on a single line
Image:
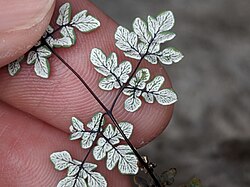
{"points": [[35, 113]]}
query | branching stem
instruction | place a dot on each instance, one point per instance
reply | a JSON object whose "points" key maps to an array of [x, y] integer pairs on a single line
{"points": [[109, 112], [131, 76], [124, 86], [90, 149]]}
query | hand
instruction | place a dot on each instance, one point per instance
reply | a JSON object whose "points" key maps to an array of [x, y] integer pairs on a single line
{"points": [[35, 113]]}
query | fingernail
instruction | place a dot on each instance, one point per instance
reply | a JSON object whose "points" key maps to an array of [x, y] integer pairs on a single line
{"points": [[22, 23], [20, 15]]}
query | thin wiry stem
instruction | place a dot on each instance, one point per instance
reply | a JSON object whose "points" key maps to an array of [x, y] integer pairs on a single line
{"points": [[90, 149], [79, 77], [109, 112], [83, 161], [151, 173], [131, 76], [123, 87]]}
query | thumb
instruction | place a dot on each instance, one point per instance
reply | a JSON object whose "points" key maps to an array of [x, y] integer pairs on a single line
{"points": [[22, 23]]}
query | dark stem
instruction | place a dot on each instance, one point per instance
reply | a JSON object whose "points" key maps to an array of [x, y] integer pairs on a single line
{"points": [[90, 149], [124, 85], [109, 112], [79, 77], [81, 166], [151, 173], [131, 76], [57, 29], [142, 90]]}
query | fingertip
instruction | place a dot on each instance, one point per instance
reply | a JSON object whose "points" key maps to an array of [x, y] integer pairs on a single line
{"points": [[22, 23]]}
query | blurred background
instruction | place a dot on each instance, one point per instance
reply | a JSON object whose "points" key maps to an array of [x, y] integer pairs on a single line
{"points": [[209, 135]]}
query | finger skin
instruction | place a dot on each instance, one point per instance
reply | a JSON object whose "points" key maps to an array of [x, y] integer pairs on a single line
{"points": [[62, 96], [26, 144], [22, 23]]}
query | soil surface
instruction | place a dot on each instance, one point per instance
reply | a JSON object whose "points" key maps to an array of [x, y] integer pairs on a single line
{"points": [[209, 135]]}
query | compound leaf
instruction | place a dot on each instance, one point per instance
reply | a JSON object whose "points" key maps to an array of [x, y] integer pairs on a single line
{"points": [[40, 53], [117, 77], [110, 138], [121, 154], [149, 91], [150, 35], [78, 175]]}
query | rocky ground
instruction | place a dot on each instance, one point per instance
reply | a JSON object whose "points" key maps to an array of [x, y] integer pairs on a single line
{"points": [[209, 136]]}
